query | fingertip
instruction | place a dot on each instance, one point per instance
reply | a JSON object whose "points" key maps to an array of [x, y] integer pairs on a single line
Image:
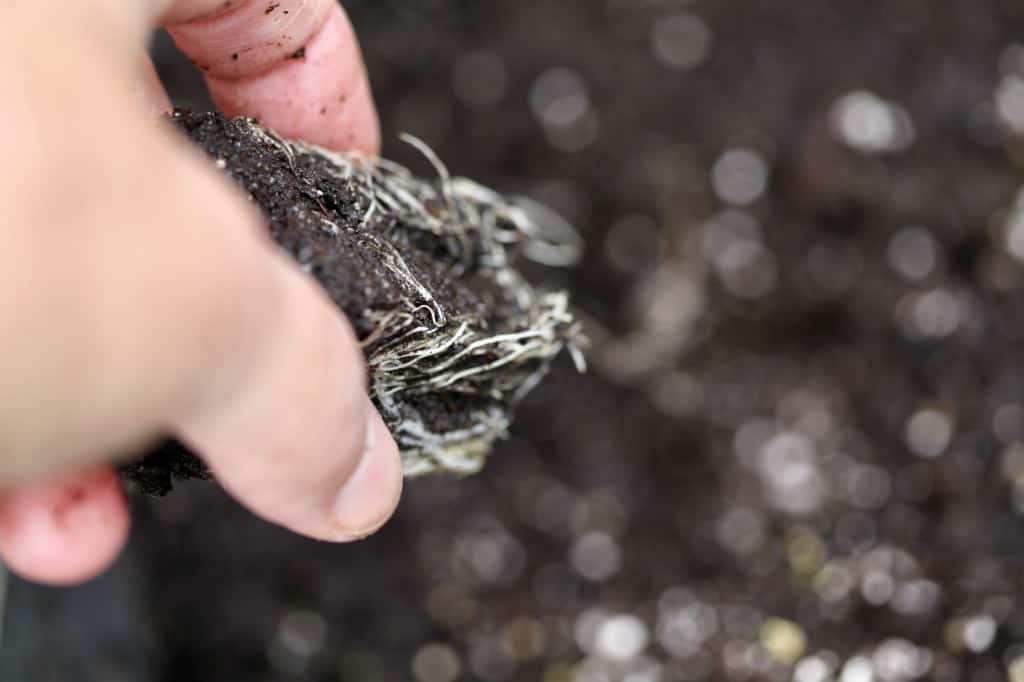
{"points": [[64, 532], [293, 431], [370, 496], [249, 37]]}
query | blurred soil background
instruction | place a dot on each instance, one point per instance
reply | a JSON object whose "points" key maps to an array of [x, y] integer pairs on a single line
{"points": [[799, 452]]}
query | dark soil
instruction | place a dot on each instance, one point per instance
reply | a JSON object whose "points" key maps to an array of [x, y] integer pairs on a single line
{"points": [[297, 195]]}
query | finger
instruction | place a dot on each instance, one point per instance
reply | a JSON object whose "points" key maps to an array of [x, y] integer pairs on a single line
{"points": [[298, 440], [64, 532], [249, 38], [294, 64]]}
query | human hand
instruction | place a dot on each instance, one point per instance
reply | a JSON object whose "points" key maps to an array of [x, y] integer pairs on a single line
{"points": [[139, 293]]}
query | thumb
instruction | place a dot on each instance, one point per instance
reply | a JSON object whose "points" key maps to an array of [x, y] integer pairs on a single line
{"points": [[298, 440]]}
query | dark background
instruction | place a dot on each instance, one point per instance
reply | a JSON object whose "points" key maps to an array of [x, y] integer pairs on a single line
{"points": [[798, 451]]}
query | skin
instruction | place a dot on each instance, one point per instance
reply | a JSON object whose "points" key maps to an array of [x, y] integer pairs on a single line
{"points": [[140, 295]]}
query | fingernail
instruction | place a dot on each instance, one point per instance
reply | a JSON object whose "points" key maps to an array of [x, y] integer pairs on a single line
{"points": [[368, 498]]}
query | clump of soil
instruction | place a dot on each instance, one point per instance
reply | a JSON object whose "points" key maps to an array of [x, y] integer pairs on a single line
{"points": [[453, 335]]}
